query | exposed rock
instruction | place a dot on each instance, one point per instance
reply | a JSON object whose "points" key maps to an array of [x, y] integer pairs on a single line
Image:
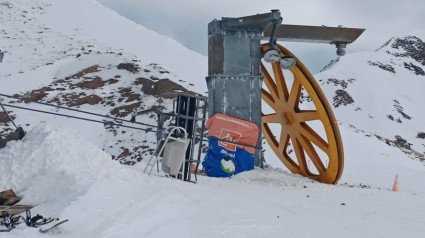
{"points": [[125, 152], [162, 88], [412, 45], [92, 83], [123, 111], [6, 4], [74, 100], [403, 145], [330, 64], [421, 135], [36, 95], [129, 95], [112, 81], [91, 69], [337, 82], [4, 118], [380, 65], [416, 69], [399, 109], [130, 67], [342, 98]]}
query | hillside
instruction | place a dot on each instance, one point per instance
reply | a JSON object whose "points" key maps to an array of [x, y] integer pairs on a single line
{"points": [[82, 55], [381, 95], [111, 70], [378, 95]]}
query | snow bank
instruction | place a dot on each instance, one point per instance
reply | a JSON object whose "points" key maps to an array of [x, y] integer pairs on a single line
{"points": [[52, 165], [69, 178]]}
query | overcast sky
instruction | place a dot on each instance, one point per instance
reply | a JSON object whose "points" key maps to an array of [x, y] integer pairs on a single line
{"points": [[187, 20]]}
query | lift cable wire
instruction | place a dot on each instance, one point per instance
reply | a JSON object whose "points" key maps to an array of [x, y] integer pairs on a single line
{"points": [[109, 117], [80, 111], [79, 118]]}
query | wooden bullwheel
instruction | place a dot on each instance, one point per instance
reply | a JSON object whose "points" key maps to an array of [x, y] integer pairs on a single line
{"points": [[318, 156]]}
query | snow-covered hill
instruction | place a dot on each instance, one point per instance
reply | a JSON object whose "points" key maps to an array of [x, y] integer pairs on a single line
{"points": [[104, 64], [80, 54], [380, 93], [41, 32]]}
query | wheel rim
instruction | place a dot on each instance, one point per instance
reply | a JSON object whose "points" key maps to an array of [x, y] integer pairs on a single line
{"points": [[319, 157]]}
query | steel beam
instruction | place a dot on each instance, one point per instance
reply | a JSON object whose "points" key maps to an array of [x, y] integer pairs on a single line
{"points": [[314, 34]]}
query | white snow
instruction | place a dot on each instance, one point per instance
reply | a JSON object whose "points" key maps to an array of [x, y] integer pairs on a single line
{"points": [[68, 177], [60, 167]]}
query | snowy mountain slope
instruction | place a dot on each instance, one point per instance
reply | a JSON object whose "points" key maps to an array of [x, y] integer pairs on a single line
{"points": [[79, 54], [107, 87], [103, 64], [380, 94], [42, 32]]}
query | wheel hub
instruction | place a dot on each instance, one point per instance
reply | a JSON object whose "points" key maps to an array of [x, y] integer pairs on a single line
{"points": [[287, 118]]}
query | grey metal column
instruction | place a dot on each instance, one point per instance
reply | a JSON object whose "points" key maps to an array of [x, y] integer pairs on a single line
{"points": [[234, 67]]}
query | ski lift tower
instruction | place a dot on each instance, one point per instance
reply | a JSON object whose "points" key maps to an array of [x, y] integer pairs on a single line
{"points": [[239, 80]]}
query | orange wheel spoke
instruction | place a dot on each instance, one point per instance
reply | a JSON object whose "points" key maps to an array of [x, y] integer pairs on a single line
{"points": [[302, 163], [304, 116], [270, 118], [268, 99], [280, 81], [312, 136], [312, 154], [269, 82], [269, 137], [294, 96], [284, 140]]}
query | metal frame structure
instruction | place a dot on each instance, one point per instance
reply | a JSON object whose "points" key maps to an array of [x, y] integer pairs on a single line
{"points": [[236, 74], [189, 113]]}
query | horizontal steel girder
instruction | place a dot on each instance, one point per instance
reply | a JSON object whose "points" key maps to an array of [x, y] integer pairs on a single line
{"points": [[314, 34]]}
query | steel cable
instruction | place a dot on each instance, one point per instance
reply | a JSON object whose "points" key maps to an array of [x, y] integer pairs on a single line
{"points": [[79, 118], [80, 111]]}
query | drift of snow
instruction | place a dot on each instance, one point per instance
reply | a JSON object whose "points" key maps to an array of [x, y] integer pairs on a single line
{"points": [[68, 177], [50, 164]]}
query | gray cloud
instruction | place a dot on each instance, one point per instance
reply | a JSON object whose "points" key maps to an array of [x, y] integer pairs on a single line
{"points": [[187, 20]]}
